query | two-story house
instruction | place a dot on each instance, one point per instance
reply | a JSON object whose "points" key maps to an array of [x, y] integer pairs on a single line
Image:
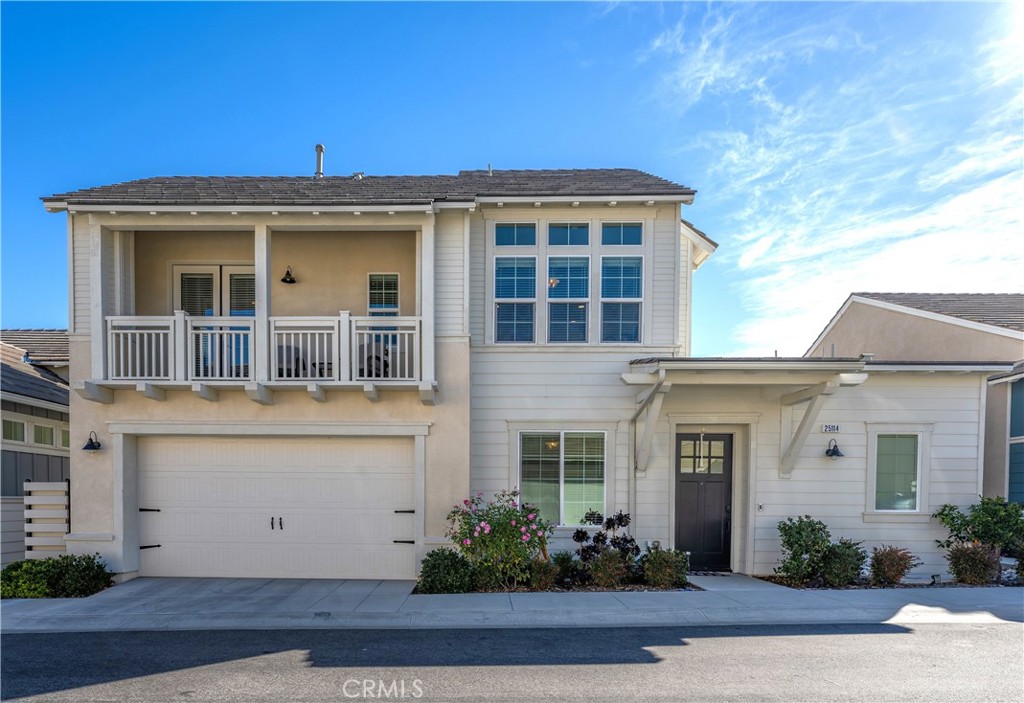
{"points": [[299, 376]]}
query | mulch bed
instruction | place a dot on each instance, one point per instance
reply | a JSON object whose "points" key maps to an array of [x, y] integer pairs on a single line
{"points": [[867, 586]]}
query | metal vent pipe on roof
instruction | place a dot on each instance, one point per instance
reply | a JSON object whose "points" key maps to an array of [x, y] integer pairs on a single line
{"points": [[319, 161]]}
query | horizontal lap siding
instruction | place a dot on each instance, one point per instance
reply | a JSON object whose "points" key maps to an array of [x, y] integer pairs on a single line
{"points": [[477, 269], [665, 274], [80, 266], [449, 267]]}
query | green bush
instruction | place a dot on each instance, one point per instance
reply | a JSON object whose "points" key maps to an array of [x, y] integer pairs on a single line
{"points": [[608, 569], [543, 575], [973, 563], [569, 571], [445, 571], [500, 537], [890, 565], [665, 568], [66, 576], [805, 544], [993, 522], [1019, 571], [843, 563]]}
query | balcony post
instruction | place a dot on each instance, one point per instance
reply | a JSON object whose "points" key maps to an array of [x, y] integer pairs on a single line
{"points": [[260, 352], [99, 264], [179, 345], [426, 278], [343, 360]]}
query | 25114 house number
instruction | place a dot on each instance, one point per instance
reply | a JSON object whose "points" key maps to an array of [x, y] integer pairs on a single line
{"points": [[830, 428]]}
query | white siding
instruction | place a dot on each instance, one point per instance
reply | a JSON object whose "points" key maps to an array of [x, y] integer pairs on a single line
{"points": [[665, 295], [477, 276], [80, 293], [449, 266]]}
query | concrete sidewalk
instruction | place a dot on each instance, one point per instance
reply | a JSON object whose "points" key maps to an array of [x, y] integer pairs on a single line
{"points": [[223, 604]]}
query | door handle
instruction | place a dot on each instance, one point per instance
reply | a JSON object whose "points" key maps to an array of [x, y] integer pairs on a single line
{"points": [[280, 523], [271, 522]]}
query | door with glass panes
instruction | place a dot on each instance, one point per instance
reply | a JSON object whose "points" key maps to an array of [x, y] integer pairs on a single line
{"points": [[704, 499], [217, 349]]}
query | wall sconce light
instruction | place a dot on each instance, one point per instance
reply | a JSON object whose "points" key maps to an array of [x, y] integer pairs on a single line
{"points": [[833, 450], [288, 277], [93, 445]]}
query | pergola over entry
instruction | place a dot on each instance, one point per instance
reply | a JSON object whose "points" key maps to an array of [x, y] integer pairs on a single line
{"points": [[813, 381]]}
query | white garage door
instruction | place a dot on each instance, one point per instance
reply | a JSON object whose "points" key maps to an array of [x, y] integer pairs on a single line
{"points": [[276, 508]]}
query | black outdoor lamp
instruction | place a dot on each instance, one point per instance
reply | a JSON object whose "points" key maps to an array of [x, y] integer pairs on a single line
{"points": [[93, 445], [288, 277], [833, 450]]}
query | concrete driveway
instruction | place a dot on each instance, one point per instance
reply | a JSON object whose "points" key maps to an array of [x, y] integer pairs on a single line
{"points": [[207, 604]]}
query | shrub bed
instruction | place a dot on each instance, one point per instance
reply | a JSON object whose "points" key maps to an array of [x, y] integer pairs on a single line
{"points": [[66, 576], [890, 565]]}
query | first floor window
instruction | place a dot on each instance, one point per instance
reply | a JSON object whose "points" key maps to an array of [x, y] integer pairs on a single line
{"points": [[896, 472], [65, 439], [562, 473], [43, 435]]}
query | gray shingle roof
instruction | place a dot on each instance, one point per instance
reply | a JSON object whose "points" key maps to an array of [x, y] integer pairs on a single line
{"points": [[998, 309], [27, 380], [347, 190], [42, 345]]}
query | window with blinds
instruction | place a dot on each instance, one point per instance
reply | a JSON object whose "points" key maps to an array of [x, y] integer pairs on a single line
{"points": [[197, 293]]}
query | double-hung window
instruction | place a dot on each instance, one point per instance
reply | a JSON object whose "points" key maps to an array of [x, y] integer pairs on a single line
{"points": [[621, 293], [515, 293], [563, 474], [382, 295], [568, 293]]}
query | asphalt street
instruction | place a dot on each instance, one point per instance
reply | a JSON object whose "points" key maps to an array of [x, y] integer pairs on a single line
{"points": [[933, 663]]}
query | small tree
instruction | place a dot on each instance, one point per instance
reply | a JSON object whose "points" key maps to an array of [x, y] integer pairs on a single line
{"points": [[993, 522]]}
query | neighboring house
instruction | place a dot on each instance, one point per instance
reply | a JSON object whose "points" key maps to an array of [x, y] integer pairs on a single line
{"points": [[941, 327], [300, 376], [36, 436], [1014, 381], [46, 348]]}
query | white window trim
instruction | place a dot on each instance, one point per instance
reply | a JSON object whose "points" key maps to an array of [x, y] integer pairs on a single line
{"points": [[497, 301], [601, 299], [517, 430], [220, 273], [924, 435], [643, 234], [395, 311], [30, 422], [585, 300]]}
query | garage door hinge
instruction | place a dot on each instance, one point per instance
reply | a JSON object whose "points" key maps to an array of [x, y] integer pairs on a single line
{"points": [[149, 510], [404, 541], [405, 511], [149, 546]]}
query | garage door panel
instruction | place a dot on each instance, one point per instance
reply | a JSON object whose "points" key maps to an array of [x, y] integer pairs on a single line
{"points": [[216, 498]]}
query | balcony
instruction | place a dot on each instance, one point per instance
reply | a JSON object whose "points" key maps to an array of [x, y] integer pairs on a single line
{"points": [[208, 354]]}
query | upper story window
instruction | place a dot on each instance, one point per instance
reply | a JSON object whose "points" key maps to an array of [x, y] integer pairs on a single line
{"points": [[515, 234], [568, 281], [621, 293], [14, 431], [622, 234], [515, 290], [382, 295], [43, 434], [569, 234]]}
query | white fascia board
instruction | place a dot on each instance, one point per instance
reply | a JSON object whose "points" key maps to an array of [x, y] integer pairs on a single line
{"points": [[272, 429], [703, 248], [926, 367], [1006, 379], [15, 398], [425, 207], [691, 365], [55, 207], [460, 205], [529, 199], [948, 319]]}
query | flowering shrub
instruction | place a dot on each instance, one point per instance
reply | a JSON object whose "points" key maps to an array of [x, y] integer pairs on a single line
{"points": [[890, 565], [499, 536]]}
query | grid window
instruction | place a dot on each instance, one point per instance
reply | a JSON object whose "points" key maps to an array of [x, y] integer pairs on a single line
{"points": [[622, 234], [620, 322], [563, 473], [569, 234], [515, 280], [621, 289], [382, 293], [515, 234], [14, 431], [568, 277], [567, 322], [896, 481]]}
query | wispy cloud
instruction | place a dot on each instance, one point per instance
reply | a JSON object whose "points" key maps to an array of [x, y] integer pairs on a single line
{"points": [[842, 163]]}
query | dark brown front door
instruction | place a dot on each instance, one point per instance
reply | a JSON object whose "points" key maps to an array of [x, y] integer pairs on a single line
{"points": [[704, 499]]}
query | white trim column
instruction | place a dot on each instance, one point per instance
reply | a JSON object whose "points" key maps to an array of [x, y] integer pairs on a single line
{"points": [[261, 335], [97, 301], [426, 279]]}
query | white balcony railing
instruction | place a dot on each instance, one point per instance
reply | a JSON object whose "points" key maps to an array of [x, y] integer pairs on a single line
{"points": [[226, 350]]}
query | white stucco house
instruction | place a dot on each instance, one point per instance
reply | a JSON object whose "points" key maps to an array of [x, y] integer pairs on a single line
{"points": [[299, 376]]}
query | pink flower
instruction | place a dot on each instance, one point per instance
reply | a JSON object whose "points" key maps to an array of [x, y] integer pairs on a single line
{"points": [[531, 516], [465, 502], [467, 542], [513, 523], [515, 504], [526, 538], [523, 528], [533, 526], [540, 533], [487, 530]]}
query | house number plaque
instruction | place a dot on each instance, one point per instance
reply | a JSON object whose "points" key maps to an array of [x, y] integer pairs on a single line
{"points": [[830, 428]]}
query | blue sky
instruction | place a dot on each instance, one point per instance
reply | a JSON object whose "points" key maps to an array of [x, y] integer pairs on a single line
{"points": [[835, 147]]}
